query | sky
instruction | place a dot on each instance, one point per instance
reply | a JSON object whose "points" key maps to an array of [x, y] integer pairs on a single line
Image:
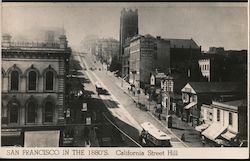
{"points": [[209, 24]]}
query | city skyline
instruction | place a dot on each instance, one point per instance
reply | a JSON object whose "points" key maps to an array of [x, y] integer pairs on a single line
{"points": [[209, 24]]}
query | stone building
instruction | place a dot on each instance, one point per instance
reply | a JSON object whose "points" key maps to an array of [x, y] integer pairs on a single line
{"points": [[128, 28], [141, 59], [125, 60], [33, 88]]}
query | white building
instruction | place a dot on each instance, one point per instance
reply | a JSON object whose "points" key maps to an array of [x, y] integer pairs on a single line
{"points": [[226, 121], [205, 68]]}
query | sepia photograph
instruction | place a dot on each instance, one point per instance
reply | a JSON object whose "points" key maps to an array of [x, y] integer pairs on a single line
{"points": [[124, 79]]}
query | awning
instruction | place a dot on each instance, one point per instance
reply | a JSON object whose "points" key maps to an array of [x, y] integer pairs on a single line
{"points": [[41, 138], [201, 127], [190, 105], [11, 133], [213, 131], [228, 135]]}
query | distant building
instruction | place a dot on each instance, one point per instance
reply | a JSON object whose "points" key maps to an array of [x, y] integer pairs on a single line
{"points": [[224, 65], [162, 58], [194, 94], [183, 52], [125, 60], [33, 89], [211, 66], [216, 50], [107, 49], [173, 56], [89, 44], [128, 28], [225, 122], [141, 63]]}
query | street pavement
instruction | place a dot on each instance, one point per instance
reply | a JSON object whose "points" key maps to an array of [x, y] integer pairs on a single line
{"points": [[192, 137], [108, 134], [113, 85]]}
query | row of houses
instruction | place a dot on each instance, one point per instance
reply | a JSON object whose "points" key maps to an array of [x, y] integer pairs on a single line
{"points": [[216, 109]]}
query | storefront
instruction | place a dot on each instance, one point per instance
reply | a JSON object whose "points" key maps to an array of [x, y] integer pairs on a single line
{"points": [[12, 137], [214, 131]]}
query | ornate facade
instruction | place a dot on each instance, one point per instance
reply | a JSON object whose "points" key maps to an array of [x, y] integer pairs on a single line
{"points": [[33, 84]]}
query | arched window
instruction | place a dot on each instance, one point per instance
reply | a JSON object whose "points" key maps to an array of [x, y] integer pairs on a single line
{"points": [[31, 112], [49, 80], [13, 112], [14, 78], [32, 80], [48, 112]]}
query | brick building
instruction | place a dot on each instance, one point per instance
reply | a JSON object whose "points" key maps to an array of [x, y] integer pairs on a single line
{"points": [[141, 59]]}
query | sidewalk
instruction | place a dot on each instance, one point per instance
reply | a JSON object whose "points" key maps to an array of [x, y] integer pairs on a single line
{"points": [[192, 137]]}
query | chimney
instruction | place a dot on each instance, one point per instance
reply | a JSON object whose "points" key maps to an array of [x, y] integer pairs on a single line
{"points": [[63, 42], [6, 40]]}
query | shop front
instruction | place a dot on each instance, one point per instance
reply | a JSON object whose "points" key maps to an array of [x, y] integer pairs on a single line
{"points": [[12, 137]]}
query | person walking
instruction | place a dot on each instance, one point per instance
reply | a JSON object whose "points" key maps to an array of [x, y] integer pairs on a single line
{"points": [[183, 137], [203, 141]]}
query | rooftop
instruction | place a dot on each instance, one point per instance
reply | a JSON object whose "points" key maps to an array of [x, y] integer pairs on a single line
{"points": [[232, 105], [183, 43], [215, 87], [237, 103]]}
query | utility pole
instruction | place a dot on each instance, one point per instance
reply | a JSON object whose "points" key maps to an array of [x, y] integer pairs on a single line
{"points": [[169, 88]]}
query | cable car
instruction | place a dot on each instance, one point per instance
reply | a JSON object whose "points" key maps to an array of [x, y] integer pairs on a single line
{"points": [[151, 136]]}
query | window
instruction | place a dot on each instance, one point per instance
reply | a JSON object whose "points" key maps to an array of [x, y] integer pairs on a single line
{"points": [[32, 80], [195, 98], [31, 112], [49, 80], [230, 119], [210, 116], [14, 78], [13, 112], [218, 115], [48, 112]]}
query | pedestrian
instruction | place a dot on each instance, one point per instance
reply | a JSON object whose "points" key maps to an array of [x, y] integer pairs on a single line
{"points": [[203, 141], [183, 137], [159, 116]]}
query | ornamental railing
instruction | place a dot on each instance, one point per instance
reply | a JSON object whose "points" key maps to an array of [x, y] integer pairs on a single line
{"points": [[35, 44]]}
